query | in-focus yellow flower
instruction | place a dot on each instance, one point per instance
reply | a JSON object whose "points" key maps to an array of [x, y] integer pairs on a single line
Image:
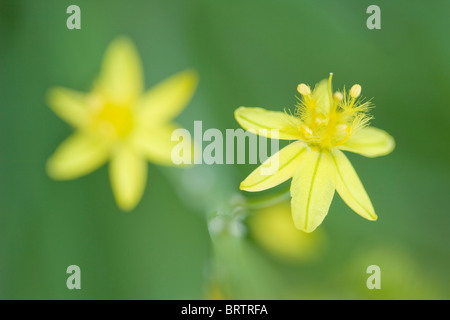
{"points": [[119, 123], [323, 124]]}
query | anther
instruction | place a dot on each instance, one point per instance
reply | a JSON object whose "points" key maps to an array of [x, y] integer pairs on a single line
{"points": [[338, 96], [304, 89], [355, 91], [306, 130]]}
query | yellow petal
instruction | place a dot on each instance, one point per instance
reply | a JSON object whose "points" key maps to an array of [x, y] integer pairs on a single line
{"points": [[69, 105], [78, 155], [157, 145], [168, 98], [312, 190], [128, 174], [350, 187], [121, 79], [262, 121], [320, 94], [275, 170], [370, 142]]}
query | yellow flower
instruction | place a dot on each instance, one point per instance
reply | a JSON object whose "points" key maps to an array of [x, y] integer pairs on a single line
{"points": [[119, 123], [323, 124]]}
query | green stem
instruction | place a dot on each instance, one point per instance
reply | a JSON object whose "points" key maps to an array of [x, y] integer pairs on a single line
{"points": [[267, 201]]}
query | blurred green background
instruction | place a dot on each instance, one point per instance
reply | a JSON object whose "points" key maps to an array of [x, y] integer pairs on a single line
{"points": [[251, 53]]}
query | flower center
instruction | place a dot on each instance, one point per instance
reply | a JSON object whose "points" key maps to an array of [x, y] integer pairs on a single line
{"points": [[113, 122], [328, 120], [325, 133]]}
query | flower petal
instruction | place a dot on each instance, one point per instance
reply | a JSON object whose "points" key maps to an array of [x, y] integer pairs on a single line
{"points": [[69, 105], [121, 78], [128, 174], [350, 187], [168, 98], [370, 142], [157, 145], [262, 121], [78, 155], [312, 190], [320, 94], [285, 162]]}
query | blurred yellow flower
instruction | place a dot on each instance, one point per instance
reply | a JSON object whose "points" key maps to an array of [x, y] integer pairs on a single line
{"points": [[273, 229], [323, 125], [119, 123], [214, 292]]}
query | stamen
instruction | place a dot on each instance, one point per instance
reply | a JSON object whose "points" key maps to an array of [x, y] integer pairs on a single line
{"points": [[307, 132], [318, 121], [343, 132], [304, 89], [355, 91], [342, 128], [338, 97]]}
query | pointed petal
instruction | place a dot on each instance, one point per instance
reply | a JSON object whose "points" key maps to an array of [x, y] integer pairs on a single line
{"points": [[76, 156], [312, 190], [262, 121], [275, 170], [121, 77], [128, 174], [320, 94], [350, 187], [69, 105], [157, 145], [168, 98], [370, 142]]}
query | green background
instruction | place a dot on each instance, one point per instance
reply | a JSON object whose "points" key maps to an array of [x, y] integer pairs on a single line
{"points": [[247, 52]]}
